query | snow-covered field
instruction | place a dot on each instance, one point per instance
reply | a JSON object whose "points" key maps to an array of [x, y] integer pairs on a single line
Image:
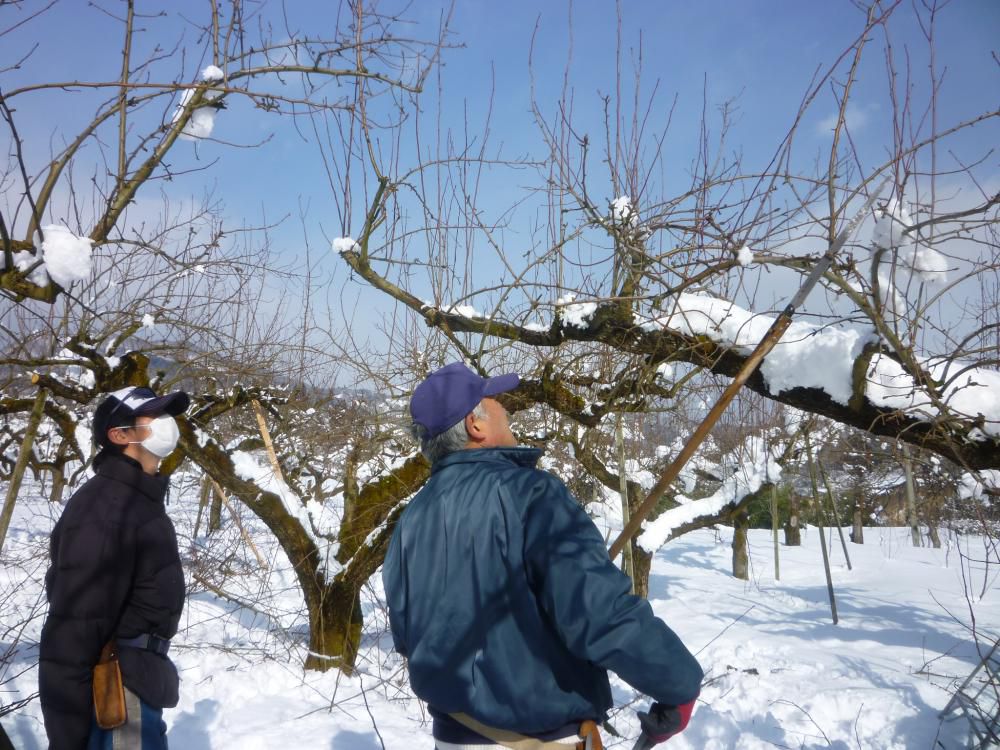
{"points": [[779, 673]]}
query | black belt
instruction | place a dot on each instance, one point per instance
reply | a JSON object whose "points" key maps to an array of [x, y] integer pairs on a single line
{"points": [[148, 642]]}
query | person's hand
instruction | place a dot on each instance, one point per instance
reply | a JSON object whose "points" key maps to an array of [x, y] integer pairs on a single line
{"points": [[662, 722]]}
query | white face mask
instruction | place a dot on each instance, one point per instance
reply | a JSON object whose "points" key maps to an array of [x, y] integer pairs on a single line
{"points": [[163, 436]]}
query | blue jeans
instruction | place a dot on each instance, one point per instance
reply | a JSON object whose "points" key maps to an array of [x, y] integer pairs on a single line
{"points": [[144, 729]]}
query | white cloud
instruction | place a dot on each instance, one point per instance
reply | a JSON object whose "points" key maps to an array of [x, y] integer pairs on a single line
{"points": [[857, 119]]}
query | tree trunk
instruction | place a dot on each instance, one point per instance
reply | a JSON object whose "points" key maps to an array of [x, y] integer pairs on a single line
{"points": [[857, 513], [641, 563], [335, 627], [215, 513], [793, 534], [741, 560], [858, 529], [640, 560], [334, 616], [58, 486], [335, 623], [932, 532], [933, 511], [911, 499]]}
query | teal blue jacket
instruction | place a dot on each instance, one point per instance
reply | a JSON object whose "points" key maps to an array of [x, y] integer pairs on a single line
{"points": [[502, 596]]}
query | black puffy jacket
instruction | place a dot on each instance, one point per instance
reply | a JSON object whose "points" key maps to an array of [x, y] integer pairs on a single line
{"points": [[115, 572]]}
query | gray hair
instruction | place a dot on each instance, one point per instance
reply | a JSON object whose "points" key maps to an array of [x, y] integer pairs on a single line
{"points": [[455, 438]]}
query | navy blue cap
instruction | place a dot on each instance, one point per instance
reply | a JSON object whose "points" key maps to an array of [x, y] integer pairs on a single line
{"points": [[449, 394], [121, 408]]}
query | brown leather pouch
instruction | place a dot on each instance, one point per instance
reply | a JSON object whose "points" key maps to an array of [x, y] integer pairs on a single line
{"points": [[109, 692], [589, 731]]}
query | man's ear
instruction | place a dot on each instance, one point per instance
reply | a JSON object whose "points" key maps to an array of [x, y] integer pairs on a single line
{"points": [[474, 426], [117, 436]]}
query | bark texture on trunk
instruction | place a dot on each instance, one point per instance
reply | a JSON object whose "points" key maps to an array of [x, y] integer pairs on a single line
{"points": [[858, 529], [335, 624], [793, 532], [741, 558], [911, 499]]}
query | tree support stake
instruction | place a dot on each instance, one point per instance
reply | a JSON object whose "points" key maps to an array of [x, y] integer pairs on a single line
{"points": [[766, 344]]}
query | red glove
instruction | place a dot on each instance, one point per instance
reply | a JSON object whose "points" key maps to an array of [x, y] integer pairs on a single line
{"points": [[662, 722]]}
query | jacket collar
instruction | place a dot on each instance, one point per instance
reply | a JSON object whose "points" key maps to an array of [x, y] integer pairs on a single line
{"points": [[519, 456], [128, 471]]}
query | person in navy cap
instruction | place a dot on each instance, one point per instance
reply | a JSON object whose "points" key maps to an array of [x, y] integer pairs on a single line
{"points": [[502, 596], [115, 577]]}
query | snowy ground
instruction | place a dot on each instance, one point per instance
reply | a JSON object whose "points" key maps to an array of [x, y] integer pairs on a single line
{"points": [[780, 674]]}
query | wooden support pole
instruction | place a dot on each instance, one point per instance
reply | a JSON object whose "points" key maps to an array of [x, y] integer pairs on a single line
{"points": [[221, 494], [822, 532], [750, 364], [268, 443], [836, 513], [774, 530], [627, 565], [911, 497], [34, 419], [203, 493]]}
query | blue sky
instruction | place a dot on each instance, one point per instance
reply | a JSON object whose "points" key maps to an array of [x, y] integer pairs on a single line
{"points": [[762, 55], [759, 55]]}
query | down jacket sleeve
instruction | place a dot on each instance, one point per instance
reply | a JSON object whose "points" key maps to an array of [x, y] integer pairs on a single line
{"points": [[87, 585], [589, 603]]}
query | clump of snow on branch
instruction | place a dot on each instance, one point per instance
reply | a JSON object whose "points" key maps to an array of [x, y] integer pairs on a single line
{"points": [[202, 120], [973, 392], [892, 232], [756, 465], [67, 257], [311, 515], [62, 257], [931, 265], [745, 256], [466, 311], [698, 464], [622, 212], [973, 485], [344, 244], [23, 261], [79, 374], [148, 321], [794, 419], [891, 225], [575, 314], [809, 356], [806, 356], [84, 438], [212, 74]]}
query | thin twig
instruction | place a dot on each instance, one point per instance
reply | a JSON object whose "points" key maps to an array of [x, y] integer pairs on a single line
{"points": [[719, 635]]}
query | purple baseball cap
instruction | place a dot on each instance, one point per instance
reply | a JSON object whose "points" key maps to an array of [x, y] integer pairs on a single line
{"points": [[447, 395]]}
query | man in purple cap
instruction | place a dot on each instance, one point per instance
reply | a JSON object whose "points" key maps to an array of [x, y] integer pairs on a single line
{"points": [[115, 578], [502, 596]]}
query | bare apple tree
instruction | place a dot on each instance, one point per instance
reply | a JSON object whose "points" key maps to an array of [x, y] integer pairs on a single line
{"points": [[111, 278]]}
